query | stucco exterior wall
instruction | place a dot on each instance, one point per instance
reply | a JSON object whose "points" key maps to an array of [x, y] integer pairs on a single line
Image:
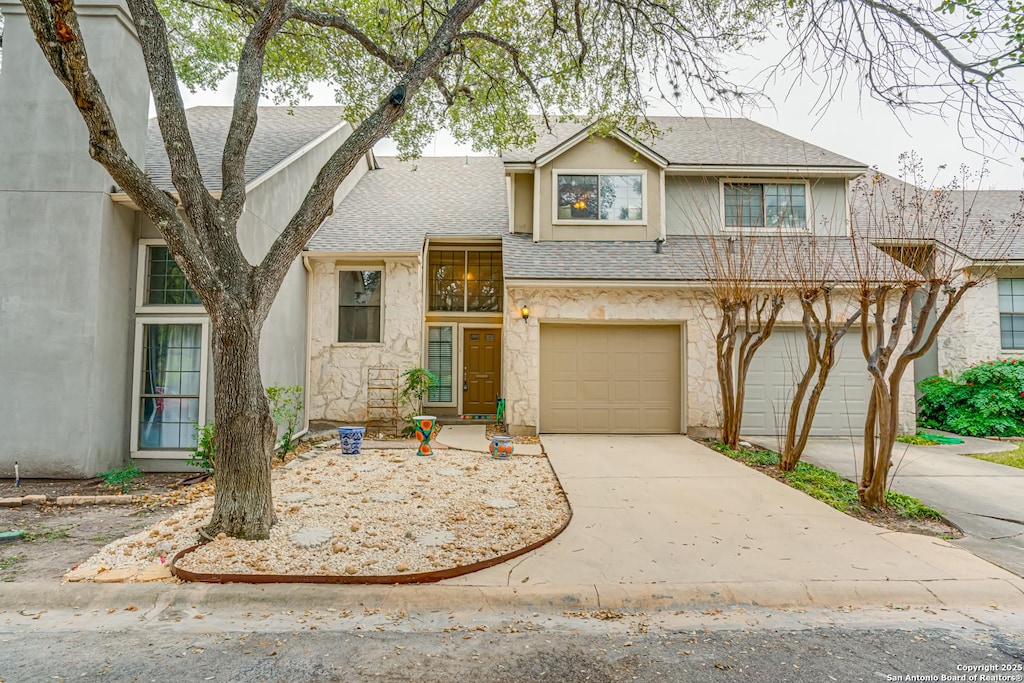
{"points": [[694, 307], [66, 254], [522, 202], [338, 372], [693, 205], [599, 154]]}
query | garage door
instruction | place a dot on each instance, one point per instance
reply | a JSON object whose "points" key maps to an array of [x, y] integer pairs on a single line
{"points": [[610, 379], [773, 375]]}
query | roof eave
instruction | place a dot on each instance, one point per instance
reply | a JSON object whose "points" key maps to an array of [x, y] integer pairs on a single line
{"points": [[766, 171]]}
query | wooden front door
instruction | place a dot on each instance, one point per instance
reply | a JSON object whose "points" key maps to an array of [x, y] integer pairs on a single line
{"points": [[481, 372]]}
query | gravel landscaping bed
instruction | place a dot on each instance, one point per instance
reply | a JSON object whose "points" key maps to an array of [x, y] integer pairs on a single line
{"points": [[383, 512]]}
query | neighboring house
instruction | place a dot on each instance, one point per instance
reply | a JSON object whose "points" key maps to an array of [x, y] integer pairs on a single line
{"points": [[989, 322], [568, 280], [104, 348]]}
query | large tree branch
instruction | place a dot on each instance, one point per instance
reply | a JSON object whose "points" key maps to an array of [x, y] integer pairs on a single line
{"points": [[243, 116], [319, 199]]}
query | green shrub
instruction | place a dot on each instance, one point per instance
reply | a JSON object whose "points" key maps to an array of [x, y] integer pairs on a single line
{"points": [[120, 478], [987, 399], [416, 385], [205, 453]]}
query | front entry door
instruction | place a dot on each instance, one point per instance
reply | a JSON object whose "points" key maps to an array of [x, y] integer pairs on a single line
{"points": [[481, 372]]}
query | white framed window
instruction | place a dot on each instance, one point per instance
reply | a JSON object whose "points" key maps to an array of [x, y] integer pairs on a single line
{"points": [[599, 197], [161, 286], [1011, 313], [169, 384], [360, 305], [441, 354], [752, 204]]}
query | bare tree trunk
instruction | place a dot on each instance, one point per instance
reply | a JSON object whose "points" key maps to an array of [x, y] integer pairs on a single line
{"points": [[243, 507], [726, 342]]}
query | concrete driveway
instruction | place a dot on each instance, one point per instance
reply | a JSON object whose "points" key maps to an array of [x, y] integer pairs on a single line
{"points": [[984, 499], [667, 510]]}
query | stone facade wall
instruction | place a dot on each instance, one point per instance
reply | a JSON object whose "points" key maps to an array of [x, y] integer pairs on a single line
{"points": [[971, 334], [521, 359], [338, 372], [696, 308]]}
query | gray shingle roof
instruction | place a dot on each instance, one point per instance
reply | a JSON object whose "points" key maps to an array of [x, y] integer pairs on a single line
{"points": [[683, 259], [280, 132], [393, 208], [706, 142]]}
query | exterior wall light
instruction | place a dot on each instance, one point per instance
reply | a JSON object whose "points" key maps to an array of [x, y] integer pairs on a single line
{"points": [[525, 311]]}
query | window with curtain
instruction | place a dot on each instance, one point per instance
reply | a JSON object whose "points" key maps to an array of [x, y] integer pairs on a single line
{"points": [[170, 387], [359, 305]]}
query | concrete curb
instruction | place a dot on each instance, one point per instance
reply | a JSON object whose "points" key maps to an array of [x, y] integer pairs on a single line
{"points": [[984, 593]]}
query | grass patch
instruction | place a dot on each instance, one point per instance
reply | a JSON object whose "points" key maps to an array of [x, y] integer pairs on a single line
{"points": [[48, 535], [1014, 458], [824, 485], [917, 439], [11, 562]]}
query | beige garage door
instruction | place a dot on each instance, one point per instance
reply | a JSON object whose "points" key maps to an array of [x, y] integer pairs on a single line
{"points": [[610, 379], [773, 375]]}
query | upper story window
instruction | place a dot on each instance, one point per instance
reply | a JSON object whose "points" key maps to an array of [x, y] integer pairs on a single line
{"points": [[360, 305], [165, 284], [1011, 312], [601, 197], [765, 205], [465, 280]]}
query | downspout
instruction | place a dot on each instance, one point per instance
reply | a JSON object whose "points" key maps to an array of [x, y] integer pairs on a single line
{"points": [[309, 343]]}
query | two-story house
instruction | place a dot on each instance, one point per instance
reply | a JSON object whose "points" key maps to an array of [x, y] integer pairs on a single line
{"points": [[567, 279]]}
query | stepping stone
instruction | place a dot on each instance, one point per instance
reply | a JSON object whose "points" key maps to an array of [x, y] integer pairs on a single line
{"points": [[435, 537], [295, 497], [308, 455], [501, 503], [310, 537], [154, 572], [451, 472], [81, 574], [116, 575], [365, 468], [387, 497]]}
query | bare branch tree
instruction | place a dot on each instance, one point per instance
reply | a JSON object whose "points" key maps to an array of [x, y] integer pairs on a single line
{"points": [[918, 249], [813, 269], [960, 59], [749, 298]]}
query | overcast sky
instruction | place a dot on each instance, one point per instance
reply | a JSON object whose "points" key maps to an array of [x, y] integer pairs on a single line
{"points": [[852, 125]]}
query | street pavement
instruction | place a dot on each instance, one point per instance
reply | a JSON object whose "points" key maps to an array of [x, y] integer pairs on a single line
{"points": [[984, 499]]}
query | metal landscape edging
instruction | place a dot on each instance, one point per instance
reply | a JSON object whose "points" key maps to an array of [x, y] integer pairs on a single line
{"points": [[418, 577]]}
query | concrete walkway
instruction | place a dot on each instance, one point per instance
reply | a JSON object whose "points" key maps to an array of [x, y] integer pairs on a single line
{"points": [[984, 499], [668, 511]]}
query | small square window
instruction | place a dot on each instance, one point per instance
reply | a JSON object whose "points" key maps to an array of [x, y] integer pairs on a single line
{"points": [[166, 284]]}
